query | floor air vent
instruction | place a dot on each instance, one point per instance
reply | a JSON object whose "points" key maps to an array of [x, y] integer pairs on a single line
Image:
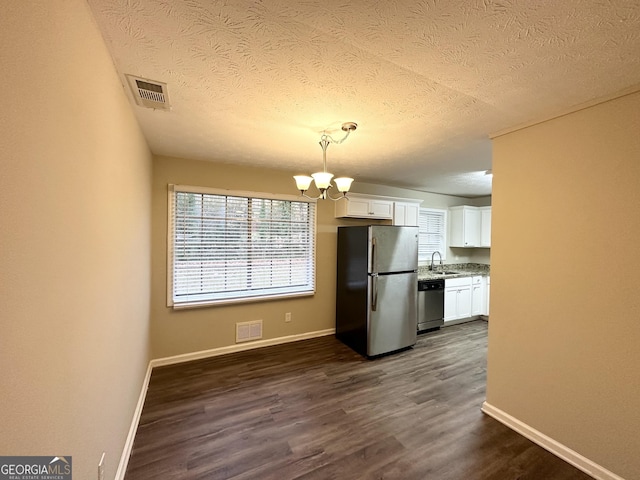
{"points": [[149, 93]]}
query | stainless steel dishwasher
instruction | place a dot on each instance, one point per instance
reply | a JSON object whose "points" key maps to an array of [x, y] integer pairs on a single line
{"points": [[430, 304]]}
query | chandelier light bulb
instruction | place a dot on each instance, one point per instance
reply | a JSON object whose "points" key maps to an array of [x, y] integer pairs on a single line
{"points": [[303, 182], [343, 183], [322, 179]]}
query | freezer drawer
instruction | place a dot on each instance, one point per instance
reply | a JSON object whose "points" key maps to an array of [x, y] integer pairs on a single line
{"points": [[392, 317]]}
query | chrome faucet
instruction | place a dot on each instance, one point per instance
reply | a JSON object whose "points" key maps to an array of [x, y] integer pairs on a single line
{"points": [[432, 255]]}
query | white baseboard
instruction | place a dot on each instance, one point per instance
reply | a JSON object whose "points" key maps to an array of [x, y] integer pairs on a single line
{"points": [[240, 347], [458, 321], [128, 444], [187, 357], [559, 450]]}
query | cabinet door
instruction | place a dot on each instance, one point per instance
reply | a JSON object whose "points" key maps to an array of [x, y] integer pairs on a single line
{"points": [[450, 303], [399, 214], [357, 207], [477, 299], [464, 226], [411, 215], [471, 226], [457, 303], [485, 227], [464, 302], [405, 214], [486, 310], [381, 209]]}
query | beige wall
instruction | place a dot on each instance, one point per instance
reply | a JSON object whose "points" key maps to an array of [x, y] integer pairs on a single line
{"points": [[564, 334], [74, 240], [185, 331]]}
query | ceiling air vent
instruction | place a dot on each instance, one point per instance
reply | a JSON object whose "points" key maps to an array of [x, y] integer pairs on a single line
{"points": [[149, 93]]}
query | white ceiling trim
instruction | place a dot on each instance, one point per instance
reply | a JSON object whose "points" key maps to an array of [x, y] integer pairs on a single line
{"points": [[567, 111]]}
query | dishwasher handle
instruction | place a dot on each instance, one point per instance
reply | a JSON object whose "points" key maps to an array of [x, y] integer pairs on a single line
{"points": [[428, 285]]}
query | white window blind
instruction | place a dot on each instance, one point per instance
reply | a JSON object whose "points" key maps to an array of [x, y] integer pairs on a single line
{"points": [[235, 246], [432, 225]]}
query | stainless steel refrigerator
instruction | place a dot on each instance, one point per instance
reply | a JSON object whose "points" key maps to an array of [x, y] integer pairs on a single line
{"points": [[377, 285]]}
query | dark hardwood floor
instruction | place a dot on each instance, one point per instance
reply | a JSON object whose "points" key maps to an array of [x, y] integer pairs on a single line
{"points": [[317, 410]]}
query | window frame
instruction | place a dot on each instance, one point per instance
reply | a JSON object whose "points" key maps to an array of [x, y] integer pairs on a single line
{"points": [[441, 211], [174, 188]]}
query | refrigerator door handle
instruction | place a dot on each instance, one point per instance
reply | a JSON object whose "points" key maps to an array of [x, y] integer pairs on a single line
{"points": [[374, 262], [374, 293]]}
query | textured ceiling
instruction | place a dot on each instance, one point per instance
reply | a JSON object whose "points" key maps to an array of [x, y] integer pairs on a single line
{"points": [[257, 82]]}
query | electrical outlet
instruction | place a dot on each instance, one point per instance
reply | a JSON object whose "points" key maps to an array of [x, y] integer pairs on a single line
{"points": [[287, 317], [101, 467]]}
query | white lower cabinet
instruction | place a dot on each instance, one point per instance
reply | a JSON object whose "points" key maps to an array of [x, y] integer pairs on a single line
{"points": [[486, 306], [457, 298], [465, 297], [477, 296]]}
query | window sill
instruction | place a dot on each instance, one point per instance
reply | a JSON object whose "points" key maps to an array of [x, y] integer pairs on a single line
{"points": [[236, 301]]}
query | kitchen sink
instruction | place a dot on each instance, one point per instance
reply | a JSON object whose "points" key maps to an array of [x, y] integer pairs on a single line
{"points": [[446, 272]]}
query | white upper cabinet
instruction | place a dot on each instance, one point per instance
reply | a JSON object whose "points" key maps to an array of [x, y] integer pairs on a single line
{"points": [[364, 206], [466, 226], [406, 213], [485, 226], [402, 211]]}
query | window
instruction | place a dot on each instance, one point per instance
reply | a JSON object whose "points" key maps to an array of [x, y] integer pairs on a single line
{"points": [[232, 246], [432, 225]]}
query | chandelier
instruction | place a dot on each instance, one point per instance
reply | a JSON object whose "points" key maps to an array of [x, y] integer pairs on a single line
{"points": [[323, 179]]}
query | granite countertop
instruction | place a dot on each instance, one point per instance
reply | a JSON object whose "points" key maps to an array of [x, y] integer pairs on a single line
{"points": [[460, 269]]}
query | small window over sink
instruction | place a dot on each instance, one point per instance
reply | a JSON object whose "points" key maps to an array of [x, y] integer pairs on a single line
{"points": [[432, 223]]}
